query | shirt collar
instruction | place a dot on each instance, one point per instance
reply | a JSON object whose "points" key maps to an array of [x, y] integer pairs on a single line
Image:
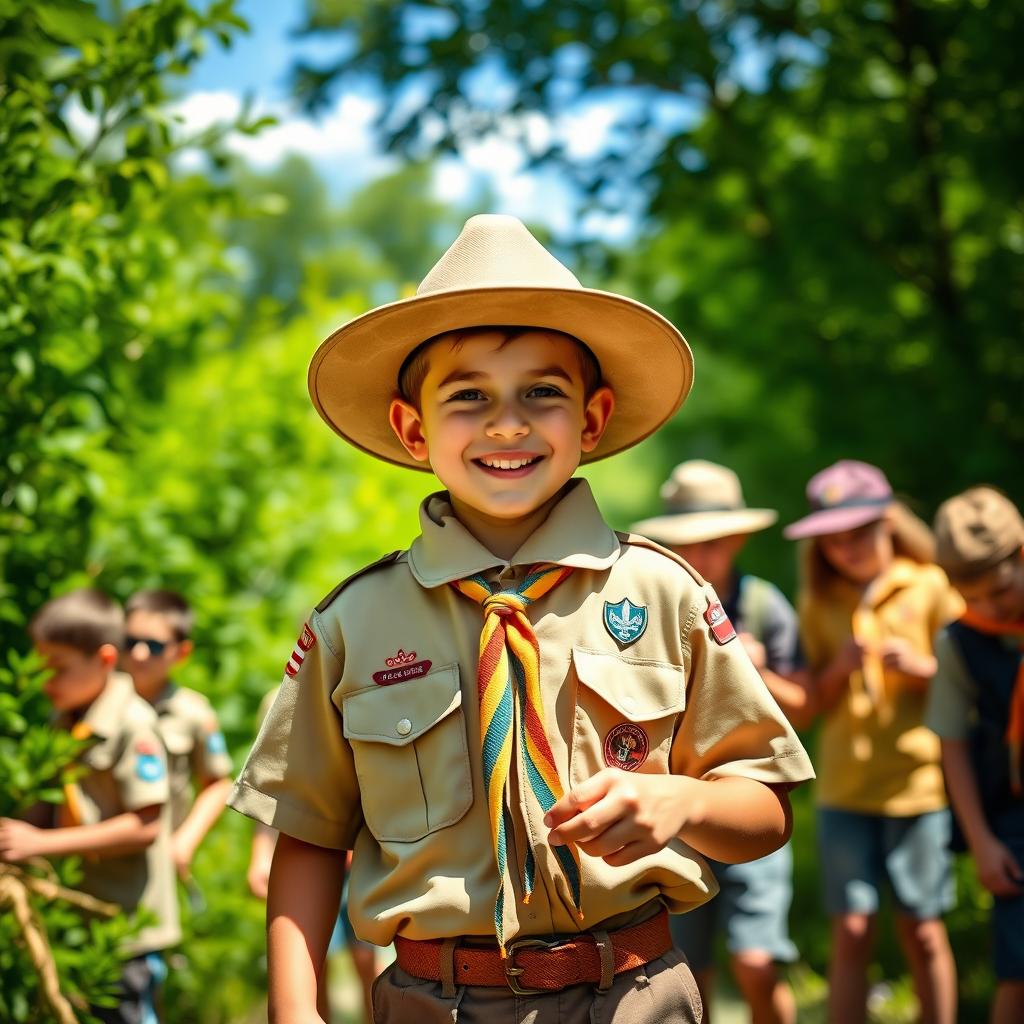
{"points": [[574, 534], [106, 711], [901, 574]]}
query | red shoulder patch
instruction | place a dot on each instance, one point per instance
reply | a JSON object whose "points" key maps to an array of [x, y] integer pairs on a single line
{"points": [[305, 643], [721, 627]]}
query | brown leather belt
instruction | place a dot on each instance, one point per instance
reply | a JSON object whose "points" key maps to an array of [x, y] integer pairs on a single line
{"points": [[532, 966]]}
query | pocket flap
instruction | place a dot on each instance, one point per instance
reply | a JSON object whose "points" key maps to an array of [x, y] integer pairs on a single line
{"points": [[640, 690], [400, 713]]}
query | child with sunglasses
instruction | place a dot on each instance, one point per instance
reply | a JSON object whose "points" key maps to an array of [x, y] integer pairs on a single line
{"points": [[157, 638]]}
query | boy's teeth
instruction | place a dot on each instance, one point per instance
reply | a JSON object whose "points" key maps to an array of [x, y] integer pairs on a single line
{"points": [[507, 463]]}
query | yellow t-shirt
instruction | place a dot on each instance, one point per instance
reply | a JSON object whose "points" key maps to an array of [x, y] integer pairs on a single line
{"points": [[875, 755]]}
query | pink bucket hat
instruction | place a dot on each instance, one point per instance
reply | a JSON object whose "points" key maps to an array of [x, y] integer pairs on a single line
{"points": [[844, 496]]}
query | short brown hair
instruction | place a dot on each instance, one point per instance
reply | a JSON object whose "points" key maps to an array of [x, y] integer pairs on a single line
{"points": [[83, 619], [168, 603], [414, 369]]}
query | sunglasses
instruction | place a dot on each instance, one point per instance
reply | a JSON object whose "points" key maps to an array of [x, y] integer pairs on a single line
{"points": [[156, 647]]}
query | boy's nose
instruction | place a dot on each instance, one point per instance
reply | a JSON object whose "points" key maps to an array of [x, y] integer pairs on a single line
{"points": [[508, 422], [139, 652]]}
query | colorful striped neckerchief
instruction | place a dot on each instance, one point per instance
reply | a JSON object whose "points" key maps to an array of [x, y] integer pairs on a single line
{"points": [[508, 685], [1015, 722]]}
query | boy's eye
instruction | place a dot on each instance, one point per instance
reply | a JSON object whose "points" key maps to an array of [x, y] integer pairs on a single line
{"points": [[544, 391], [466, 395]]}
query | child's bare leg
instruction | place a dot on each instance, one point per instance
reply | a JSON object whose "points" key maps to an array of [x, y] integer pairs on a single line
{"points": [[364, 959], [769, 997], [853, 937], [1008, 1005], [926, 947]]}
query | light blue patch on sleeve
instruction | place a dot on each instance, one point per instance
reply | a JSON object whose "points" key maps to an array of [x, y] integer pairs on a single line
{"points": [[216, 744], [149, 768]]}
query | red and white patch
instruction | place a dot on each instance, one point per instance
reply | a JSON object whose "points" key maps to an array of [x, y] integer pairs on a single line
{"points": [[721, 627], [400, 673], [304, 644], [146, 748], [400, 659], [626, 747]]}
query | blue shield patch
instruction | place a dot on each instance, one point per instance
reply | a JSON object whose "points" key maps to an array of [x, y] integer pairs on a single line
{"points": [[625, 621], [149, 768]]}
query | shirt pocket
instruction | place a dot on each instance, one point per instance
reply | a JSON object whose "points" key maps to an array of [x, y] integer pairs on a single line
{"points": [[411, 757], [627, 710]]}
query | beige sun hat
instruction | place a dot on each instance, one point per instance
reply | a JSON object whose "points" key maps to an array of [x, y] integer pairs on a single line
{"points": [[497, 274], [703, 501]]}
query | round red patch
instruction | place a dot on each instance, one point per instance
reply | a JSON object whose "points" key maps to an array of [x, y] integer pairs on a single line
{"points": [[626, 747]]}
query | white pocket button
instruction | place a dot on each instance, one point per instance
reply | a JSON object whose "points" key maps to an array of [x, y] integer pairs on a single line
{"points": [[403, 727]]}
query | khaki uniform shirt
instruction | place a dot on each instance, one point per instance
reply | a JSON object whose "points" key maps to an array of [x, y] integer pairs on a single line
{"points": [[880, 759], [374, 739], [195, 745], [128, 771]]}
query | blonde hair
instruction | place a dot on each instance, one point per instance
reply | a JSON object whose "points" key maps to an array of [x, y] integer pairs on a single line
{"points": [[911, 538]]}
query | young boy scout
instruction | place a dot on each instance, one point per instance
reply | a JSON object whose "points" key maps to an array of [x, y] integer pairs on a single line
{"points": [[158, 629], [707, 522], [115, 818], [528, 727], [976, 706]]}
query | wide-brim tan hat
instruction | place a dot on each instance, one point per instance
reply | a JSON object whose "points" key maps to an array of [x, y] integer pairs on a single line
{"points": [[703, 501], [497, 274]]}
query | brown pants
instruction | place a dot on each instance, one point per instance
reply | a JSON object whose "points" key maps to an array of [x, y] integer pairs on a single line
{"points": [[662, 992]]}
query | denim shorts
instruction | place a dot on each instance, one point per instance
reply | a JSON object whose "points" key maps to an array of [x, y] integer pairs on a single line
{"points": [[752, 906], [859, 853]]}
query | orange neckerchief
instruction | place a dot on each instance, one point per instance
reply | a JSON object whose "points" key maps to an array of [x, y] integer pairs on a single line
{"points": [[1015, 725], [69, 814]]}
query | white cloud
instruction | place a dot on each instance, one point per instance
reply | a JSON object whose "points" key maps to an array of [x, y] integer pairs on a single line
{"points": [[340, 143]]}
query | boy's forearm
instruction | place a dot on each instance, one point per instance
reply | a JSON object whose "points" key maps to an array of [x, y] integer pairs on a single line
{"points": [[963, 792], [208, 806], [123, 834], [302, 904], [735, 819]]}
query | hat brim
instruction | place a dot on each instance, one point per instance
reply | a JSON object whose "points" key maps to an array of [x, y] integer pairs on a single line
{"points": [[697, 527], [833, 520], [353, 375]]}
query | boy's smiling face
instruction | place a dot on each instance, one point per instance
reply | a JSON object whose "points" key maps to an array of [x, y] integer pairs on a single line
{"points": [[503, 424]]}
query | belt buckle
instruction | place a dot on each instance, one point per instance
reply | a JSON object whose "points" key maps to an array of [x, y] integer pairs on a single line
{"points": [[513, 971]]}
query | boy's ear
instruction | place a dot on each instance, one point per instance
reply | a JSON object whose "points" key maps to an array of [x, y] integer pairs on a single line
{"points": [[185, 648], [108, 655], [407, 423], [596, 414]]}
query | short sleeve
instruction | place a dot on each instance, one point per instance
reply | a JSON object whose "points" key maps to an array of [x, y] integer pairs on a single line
{"points": [[299, 776], [210, 757], [731, 724], [951, 693], [140, 771], [948, 604]]}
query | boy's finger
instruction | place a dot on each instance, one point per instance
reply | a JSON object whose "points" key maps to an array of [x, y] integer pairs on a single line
{"points": [[611, 840], [629, 853], [578, 799], [587, 825]]}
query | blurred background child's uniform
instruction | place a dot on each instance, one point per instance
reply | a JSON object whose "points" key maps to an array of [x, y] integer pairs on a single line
{"points": [[870, 604]]}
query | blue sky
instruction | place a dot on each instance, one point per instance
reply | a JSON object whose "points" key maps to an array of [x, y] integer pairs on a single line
{"points": [[341, 141]]}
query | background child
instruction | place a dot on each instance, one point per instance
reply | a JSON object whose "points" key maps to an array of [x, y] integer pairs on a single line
{"points": [[115, 817], [707, 523], [158, 630], [976, 706], [642, 734], [870, 603]]}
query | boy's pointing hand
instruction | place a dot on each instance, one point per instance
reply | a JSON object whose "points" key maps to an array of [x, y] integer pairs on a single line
{"points": [[620, 816]]}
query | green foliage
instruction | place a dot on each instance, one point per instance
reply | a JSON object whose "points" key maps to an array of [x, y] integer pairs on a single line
{"points": [[97, 295]]}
